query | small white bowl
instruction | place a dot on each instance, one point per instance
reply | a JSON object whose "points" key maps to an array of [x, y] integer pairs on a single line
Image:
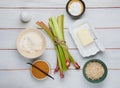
{"points": [[23, 52], [40, 61]]}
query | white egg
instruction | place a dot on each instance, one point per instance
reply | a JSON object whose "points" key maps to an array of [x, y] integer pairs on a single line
{"points": [[25, 17]]}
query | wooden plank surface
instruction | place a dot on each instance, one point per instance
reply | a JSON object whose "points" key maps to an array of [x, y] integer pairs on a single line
{"points": [[15, 73], [16, 61], [74, 79], [57, 3], [107, 17], [8, 38]]}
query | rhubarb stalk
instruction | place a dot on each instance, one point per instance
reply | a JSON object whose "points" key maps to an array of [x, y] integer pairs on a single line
{"points": [[56, 33]]}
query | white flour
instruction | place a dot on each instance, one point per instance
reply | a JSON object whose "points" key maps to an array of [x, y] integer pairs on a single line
{"points": [[75, 8], [31, 42]]}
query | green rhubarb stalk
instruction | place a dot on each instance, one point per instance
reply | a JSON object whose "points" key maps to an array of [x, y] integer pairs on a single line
{"points": [[62, 57], [59, 54], [74, 62], [60, 20], [57, 67], [56, 28], [41, 24], [56, 33], [52, 27], [59, 60]]}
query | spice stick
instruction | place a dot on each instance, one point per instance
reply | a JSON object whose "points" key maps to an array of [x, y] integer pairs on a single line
{"points": [[40, 70]]}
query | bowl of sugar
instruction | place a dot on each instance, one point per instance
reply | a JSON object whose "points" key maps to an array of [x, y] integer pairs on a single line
{"points": [[75, 8]]}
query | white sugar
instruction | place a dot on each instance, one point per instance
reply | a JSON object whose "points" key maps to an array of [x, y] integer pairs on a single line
{"points": [[75, 8]]}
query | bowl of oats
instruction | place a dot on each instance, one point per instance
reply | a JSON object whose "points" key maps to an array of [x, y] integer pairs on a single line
{"points": [[95, 71]]}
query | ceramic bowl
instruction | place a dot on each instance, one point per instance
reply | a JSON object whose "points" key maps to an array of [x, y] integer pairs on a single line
{"points": [[101, 78], [38, 62], [68, 6], [31, 55]]}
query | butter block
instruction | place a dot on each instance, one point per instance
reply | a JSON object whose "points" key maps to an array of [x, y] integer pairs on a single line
{"points": [[85, 37]]}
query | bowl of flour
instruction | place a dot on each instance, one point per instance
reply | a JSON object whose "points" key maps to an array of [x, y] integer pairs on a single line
{"points": [[31, 43]]}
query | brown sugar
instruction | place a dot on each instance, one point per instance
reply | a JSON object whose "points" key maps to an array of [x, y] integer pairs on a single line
{"points": [[43, 66]]}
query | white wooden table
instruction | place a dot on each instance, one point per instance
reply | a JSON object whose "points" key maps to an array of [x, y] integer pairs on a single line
{"points": [[14, 73]]}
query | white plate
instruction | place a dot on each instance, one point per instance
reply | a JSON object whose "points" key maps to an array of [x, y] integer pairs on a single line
{"points": [[90, 49]]}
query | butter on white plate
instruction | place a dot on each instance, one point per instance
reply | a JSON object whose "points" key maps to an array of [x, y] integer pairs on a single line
{"points": [[85, 40], [85, 36]]}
